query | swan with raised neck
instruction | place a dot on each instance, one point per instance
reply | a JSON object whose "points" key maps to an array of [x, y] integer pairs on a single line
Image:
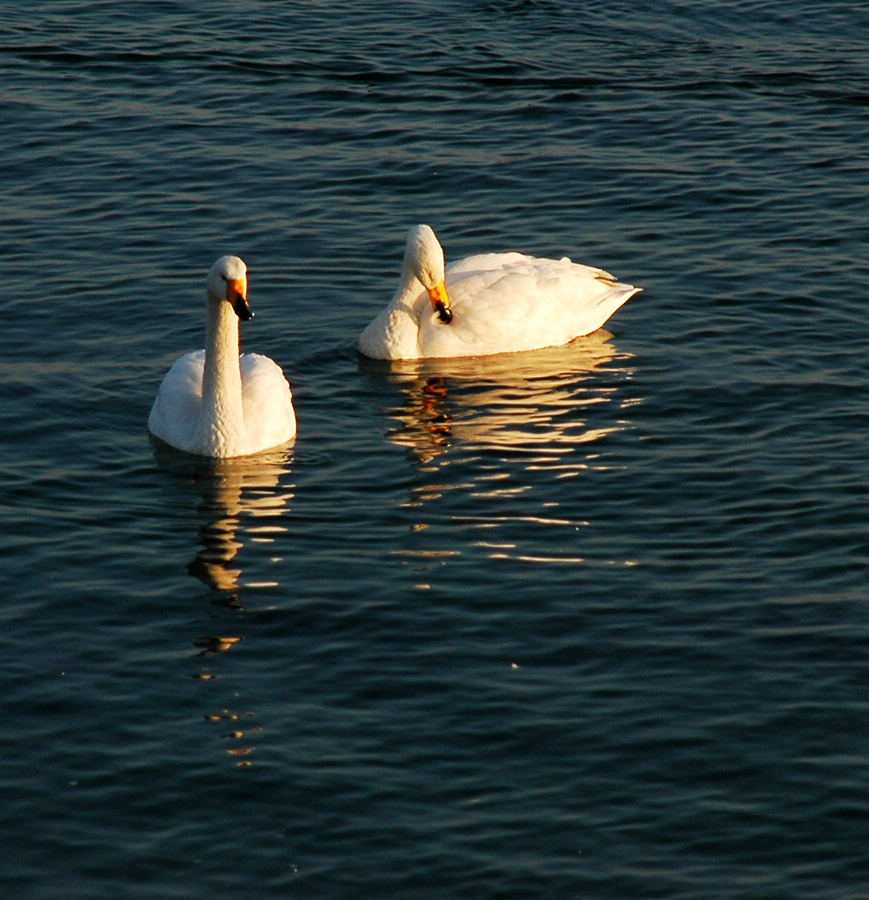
{"points": [[214, 402]]}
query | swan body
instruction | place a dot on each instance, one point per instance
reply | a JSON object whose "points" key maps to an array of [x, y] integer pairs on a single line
{"points": [[489, 303], [214, 402]]}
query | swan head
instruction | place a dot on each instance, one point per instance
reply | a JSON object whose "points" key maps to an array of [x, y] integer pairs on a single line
{"points": [[424, 259], [227, 280]]}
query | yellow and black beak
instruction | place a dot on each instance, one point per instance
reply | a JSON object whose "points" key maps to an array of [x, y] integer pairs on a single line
{"points": [[440, 302], [236, 293]]}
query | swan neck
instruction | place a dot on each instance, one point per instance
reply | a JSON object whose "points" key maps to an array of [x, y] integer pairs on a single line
{"points": [[221, 418], [402, 316], [409, 290], [394, 333]]}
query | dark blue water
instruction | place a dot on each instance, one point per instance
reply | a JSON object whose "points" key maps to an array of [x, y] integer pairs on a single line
{"points": [[591, 622]]}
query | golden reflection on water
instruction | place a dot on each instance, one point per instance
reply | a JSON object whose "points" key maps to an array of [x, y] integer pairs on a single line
{"points": [[498, 429], [233, 490], [240, 500], [527, 404]]}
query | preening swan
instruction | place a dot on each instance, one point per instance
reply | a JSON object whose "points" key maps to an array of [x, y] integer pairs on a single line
{"points": [[214, 402], [490, 303]]}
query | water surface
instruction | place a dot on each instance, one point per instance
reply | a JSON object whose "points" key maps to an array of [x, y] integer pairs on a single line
{"points": [[589, 622]]}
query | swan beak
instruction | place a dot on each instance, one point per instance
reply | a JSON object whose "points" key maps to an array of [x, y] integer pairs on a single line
{"points": [[440, 302], [236, 293]]}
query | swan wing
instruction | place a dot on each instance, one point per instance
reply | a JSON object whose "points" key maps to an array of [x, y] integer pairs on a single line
{"points": [[504, 302], [268, 402], [175, 413]]}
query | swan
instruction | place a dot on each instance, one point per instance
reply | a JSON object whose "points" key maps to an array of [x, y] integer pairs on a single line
{"points": [[489, 303], [214, 402]]}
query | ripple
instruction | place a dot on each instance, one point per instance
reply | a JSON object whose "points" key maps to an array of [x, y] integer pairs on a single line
{"points": [[587, 622]]}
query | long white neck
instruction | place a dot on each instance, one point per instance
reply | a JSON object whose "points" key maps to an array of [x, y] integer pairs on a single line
{"points": [[398, 325], [221, 418]]}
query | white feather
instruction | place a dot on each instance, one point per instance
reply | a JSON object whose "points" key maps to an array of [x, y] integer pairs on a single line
{"points": [[248, 405], [501, 302]]}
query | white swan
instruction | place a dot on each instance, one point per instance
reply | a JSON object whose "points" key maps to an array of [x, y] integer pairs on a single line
{"points": [[491, 303], [214, 402]]}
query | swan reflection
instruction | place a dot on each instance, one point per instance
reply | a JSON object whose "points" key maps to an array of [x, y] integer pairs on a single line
{"points": [[531, 405], [493, 438], [239, 501], [237, 497]]}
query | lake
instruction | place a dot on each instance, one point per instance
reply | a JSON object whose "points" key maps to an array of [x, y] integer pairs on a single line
{"points": [[587, 622]]}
